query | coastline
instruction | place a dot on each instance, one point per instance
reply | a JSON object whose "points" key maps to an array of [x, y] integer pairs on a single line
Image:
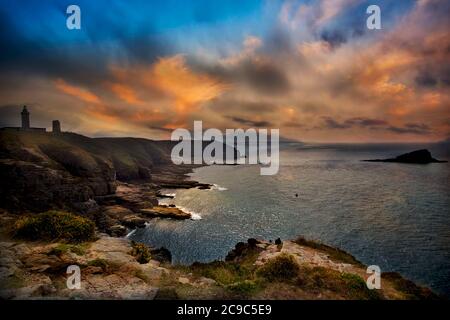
{"points": [[36, 270], [135, 203], [258, 269]]}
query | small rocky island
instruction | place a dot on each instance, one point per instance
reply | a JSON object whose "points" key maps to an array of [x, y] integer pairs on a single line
{"points": [[422, 156]]}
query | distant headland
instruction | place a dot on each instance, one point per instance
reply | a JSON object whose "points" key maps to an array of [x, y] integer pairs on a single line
{"points": [[422, 156]]}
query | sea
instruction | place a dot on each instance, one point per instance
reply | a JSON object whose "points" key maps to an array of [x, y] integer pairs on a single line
{"points": [[392, 215]]}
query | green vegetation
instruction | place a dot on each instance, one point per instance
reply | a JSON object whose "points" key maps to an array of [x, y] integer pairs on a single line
{"points": [[107, 266], [101, 263], [14, 281], [281, 268], [348, 285], [141, 252], [334, 253], [357, 288], [141, 275], [63, 248], [409, 288], [237, 278], [55, 225], [245, 288], [224, 273], [243, 279]]}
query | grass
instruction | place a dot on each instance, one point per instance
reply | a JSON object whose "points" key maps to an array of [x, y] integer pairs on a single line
{"points": [[347, 285], [243, 279], [245, 288], [334, 253], [14, 281], [235, 280], [356, 288], [141, 275], [408, 288], [55, 226], [107, 266], [224, 273], [141, 252], [62, 248], [281, 268]]}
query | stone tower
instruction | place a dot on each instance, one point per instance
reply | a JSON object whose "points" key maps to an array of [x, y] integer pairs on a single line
{"points": [[25, 118], [56, 126]]}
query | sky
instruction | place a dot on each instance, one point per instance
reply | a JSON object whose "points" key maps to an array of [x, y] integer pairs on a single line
{"points": [[309, 68]]}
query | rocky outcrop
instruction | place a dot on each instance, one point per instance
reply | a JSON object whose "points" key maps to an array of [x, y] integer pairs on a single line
{"points": [[254, 270], [419, 157], [36, 187], [132, 206], [108, 271], [39, 171], [163, 211]]}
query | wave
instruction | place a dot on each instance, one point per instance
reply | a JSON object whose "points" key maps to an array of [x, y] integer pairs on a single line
{"points": [[194, 215], [168, 195], [219, 188], [130, 233]]}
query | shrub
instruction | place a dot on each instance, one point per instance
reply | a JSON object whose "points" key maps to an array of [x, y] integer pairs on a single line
{"points": [[224, 273], [409, 288], [347, 285], [55, 225], [64, 248], [244, 288], [283, 267], [101, 263], [141, 252], [356, 288]]}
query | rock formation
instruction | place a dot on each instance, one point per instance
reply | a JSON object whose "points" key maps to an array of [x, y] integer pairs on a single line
{"points": [[422, 156]]}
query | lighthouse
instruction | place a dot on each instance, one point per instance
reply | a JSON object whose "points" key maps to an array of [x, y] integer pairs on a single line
{"points": [[25, 118]]}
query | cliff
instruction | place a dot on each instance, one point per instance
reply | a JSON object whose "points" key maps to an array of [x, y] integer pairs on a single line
{"points": [[115, 268], [42, 170]]}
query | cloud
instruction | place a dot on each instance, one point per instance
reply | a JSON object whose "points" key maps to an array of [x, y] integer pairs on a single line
{"points": [[310, 69], [80, 93], [125, 93], [251, 123], [265, 77], [365, 122], [330, 123], [248, 67], [417, 129], [377, 124], [189, 89]]}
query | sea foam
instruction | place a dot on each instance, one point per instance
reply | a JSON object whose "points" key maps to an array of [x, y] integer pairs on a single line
{"points": [[219, 188], [194, 215]]}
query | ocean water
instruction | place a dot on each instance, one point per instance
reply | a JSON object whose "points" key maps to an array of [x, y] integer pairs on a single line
{"points": [[392, 215]]}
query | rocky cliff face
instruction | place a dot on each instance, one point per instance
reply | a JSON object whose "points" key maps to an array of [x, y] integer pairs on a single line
{"points": [[39, 171], [33, 187]]}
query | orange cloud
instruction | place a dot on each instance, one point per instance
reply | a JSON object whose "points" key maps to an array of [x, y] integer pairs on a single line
{"points": [[431, 100], [125, 93], [77, 92], [187, 88]]}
